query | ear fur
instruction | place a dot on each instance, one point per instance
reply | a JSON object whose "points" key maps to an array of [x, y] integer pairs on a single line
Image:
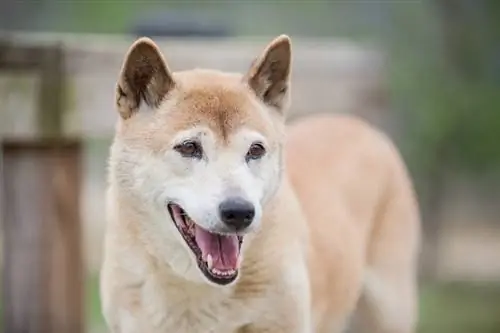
{"points": [[269, 75], [144, 78]]}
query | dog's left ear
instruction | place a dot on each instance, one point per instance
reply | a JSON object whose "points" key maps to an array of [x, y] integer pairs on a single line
{"points": [[269, 75]]}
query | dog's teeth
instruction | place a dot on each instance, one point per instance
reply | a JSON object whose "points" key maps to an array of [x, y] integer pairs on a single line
{"points": [[238, 262], [210, 261], [223, 273]]}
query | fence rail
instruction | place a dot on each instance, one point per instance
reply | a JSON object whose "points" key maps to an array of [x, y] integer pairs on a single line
{"points": [[328, 76]]}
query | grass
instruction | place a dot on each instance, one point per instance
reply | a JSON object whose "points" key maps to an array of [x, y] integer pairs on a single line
{"points": [[444, 308], [460, 308]]}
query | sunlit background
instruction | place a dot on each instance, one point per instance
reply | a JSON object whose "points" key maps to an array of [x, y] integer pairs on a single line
{"points": [[426, 72]]}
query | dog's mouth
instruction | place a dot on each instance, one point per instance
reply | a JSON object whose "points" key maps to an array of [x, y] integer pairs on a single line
{"points": [[217, 255]]}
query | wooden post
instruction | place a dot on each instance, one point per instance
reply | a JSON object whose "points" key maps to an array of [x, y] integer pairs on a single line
{"points": [[43, 274], [48, 62], [43, 282]]}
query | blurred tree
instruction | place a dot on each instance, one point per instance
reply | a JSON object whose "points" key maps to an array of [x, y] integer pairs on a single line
{"points": [[448, 66], [471, 40]]}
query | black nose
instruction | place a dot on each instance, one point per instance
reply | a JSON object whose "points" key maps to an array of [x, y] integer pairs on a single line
{"points": [[237, 213]]}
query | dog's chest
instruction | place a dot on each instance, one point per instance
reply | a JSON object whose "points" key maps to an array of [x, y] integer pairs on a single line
{"points": [[186, 311], [203, 319]]}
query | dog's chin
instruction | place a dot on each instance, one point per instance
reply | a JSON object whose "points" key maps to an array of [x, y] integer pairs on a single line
{"points": [[217, 255]]}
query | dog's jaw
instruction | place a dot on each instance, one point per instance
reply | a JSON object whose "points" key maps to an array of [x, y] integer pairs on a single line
{"points": [[218, 256]]}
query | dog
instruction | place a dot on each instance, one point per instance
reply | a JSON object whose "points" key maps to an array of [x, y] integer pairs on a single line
{"points": [[222, 217]]}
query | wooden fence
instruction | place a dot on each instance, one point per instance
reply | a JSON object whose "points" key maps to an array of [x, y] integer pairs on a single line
{"points": [[42, 273], [328, 75]]}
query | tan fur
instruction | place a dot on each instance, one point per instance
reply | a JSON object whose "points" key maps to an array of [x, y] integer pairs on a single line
{"points": [[339, 224]]}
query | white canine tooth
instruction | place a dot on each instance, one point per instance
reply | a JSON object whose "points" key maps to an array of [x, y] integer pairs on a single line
{"points": [[210, 261], [238, 262]]}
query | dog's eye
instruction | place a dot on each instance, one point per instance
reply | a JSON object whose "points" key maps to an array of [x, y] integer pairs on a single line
{"points": [[255, 152], [189, 149]]}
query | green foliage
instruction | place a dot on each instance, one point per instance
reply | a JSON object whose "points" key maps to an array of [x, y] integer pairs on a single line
{"points": [[451, 108], [476, 147]]}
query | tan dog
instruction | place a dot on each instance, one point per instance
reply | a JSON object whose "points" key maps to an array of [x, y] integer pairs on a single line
{"points": [[218, 222]]}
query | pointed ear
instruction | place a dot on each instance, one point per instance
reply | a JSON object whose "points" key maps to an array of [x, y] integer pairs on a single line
{"points": [[144, 78], [269, 75]]}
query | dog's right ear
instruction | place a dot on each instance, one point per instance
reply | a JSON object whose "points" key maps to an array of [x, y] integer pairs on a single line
{"points": [[144, 78]]}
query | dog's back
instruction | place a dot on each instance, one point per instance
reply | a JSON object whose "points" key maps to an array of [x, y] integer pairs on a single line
{"points": [[363, 220]]}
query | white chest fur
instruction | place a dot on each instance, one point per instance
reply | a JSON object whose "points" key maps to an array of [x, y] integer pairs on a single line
{"points": [[169, 307]]}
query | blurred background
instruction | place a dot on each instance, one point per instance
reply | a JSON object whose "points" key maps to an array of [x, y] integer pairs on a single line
{"points": [[426, 72]]}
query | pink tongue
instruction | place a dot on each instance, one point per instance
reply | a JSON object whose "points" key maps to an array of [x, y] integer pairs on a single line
{"points": [[223, 249]]}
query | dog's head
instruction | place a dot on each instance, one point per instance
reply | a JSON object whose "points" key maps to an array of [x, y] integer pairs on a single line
{"points": [[200, 151]]}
